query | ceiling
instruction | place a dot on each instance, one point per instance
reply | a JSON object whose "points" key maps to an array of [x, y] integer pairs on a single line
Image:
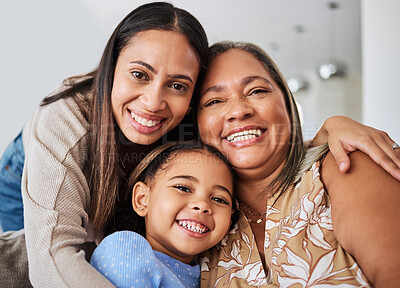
{"points": [[271, 24]]}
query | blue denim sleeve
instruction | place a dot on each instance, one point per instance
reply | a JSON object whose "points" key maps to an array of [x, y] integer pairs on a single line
{"points": [[11, 167]]}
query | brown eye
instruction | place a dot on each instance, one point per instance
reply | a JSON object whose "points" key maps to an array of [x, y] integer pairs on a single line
{"points": [[212, 102], [139, 75], [220, 200], [182, 188], [258, 91], [179, 87]]}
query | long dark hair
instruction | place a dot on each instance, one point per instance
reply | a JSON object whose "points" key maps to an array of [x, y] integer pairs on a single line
{"points": [[147, 169], [297, 149], [94, 90]]}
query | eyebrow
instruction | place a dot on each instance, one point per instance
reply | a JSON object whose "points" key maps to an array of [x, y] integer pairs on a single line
{"points": [[194, 179], [216, 88], [180, 76], [148, 66], [250, 79], [174, 76], [243, 82]]}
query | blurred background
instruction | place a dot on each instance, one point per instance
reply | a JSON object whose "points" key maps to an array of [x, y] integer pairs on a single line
{"points": [[340, 57]]}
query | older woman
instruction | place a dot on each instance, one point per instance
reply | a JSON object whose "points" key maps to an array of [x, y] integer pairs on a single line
{"points": [[302, 221]]}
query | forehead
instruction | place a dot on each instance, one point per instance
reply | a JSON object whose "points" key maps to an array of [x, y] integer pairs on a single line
{"points": [[233, 64], [156, 45], [156, 35], [180, 160], [194, 162]]}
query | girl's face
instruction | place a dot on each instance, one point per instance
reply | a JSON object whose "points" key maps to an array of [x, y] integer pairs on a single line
{"points": [[188, 206], [153, 84], [242, 113]]}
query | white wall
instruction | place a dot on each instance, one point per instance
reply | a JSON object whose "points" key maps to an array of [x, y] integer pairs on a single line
{"points": [[326, 98], [41, 43], [381, 65]]}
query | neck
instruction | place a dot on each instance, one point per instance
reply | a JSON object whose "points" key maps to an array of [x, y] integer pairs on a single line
{"points": [[131, 154], [253, 189]]}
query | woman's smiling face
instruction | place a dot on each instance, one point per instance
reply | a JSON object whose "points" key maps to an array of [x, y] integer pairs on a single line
{"points": [[153, 84], [242, 112]]}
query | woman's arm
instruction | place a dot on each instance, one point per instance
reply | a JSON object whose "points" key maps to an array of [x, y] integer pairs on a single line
{"points": [[345, 135], [366, 216], [56, 198]]}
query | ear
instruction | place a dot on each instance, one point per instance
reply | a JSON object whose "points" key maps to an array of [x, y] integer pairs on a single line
{"points": [[140, 198]]}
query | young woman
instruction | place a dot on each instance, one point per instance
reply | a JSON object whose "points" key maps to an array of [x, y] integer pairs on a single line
{"points": [[302, 223], [185, 194], [84, 140]]}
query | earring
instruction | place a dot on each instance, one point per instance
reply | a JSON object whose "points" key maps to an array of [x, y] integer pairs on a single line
{"points": [[188, 111], [141, 208]]}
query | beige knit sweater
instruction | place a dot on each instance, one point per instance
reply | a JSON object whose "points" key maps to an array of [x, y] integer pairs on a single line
{"points": [[56, 198]]}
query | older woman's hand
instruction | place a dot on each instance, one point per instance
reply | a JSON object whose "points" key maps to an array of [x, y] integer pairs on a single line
{"points": [[345, 135]]}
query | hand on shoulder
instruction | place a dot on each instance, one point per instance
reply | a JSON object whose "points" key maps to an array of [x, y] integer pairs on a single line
{"points": [[352, 136]]}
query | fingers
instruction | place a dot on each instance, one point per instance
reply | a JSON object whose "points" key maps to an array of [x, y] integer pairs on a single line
{"points": [[381, 152], [341, 158], [393, 154], [391, 159], [346, 135], [378, 146], [387, 163]]}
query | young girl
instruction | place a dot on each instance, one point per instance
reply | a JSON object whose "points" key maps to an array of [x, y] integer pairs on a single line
{"points": [[185, 194]]}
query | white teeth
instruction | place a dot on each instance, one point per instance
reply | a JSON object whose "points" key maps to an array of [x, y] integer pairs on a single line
{"points": [[244, 135], [192, 226], [144, 122]]}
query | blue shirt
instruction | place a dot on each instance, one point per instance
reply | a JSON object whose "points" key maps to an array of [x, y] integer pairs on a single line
{"points": [[127, 260]]}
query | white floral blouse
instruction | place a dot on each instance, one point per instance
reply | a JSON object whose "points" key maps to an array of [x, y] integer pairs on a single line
{"points": [[300, 247]]}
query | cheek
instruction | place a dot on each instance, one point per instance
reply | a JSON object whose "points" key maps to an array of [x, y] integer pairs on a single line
{"points": [[120, 93], [207, 127], [157, 208], [281, 130], [225, 221], [179, 107]]}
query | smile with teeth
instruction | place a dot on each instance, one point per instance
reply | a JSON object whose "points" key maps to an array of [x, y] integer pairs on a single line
{"points": [[143, 121], [244, 135], [193, 226]]}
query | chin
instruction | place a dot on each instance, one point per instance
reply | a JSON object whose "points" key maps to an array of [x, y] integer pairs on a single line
{"points": [[243, 160], [190, 252], [142, 139]]}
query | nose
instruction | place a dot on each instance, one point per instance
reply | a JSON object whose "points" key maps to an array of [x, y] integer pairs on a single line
{"points": [[238, 108], [153, 99], [201, 206]]}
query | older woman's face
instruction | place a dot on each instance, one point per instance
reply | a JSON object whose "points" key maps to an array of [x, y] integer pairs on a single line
{"points": [[242, 112]]}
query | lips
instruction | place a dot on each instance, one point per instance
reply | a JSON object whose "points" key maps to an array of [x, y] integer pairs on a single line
{"points": [[145, 121], [193, 226], [244, 134]]}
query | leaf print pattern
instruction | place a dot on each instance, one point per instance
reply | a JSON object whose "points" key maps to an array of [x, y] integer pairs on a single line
{"points": [[299, 271], [300, 247], [234, 266]]}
